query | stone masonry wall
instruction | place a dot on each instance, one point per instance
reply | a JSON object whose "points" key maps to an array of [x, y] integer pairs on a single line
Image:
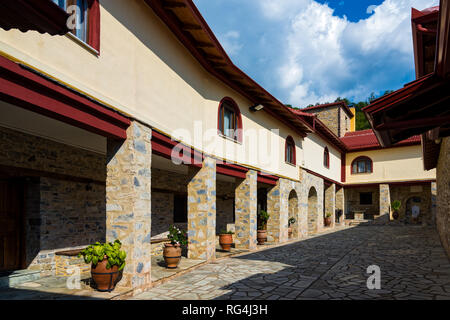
{"points": [[443, 194], [245, 210], [202, 211], [353, 200], [329, 116], [128, 205], [404, 193], [311, 219], [60, 214]]}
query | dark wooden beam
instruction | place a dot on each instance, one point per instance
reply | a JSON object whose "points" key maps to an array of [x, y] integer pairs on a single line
{"points": [[189, 26], [173, 4]]}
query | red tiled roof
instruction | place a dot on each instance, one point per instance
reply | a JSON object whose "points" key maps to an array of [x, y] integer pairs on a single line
{"points": [[366, 139]]}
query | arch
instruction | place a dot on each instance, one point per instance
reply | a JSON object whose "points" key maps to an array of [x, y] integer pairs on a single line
{"points": [[293, 210], [228, 106], [326, 158], [312, 210], [362, 164], [410, 202], [289, 151]]}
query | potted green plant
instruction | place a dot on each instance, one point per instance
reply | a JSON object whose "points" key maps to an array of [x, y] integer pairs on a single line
{"points": [[263, 217], [107, 261], [172, 250], [226, 240], [396, 204], [291, 221], [327, 219]]}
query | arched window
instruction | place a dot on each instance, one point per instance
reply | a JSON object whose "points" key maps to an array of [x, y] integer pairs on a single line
{"points": [[290, 156], [362, 165], [229, 119], [326, 158]]}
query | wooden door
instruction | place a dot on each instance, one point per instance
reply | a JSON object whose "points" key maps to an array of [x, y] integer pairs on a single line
{"points": [[11, 198]]}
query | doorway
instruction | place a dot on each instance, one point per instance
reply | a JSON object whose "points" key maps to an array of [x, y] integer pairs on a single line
{"points": [[11, 224]]}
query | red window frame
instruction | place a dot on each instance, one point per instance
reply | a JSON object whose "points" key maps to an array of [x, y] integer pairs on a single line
{"points": [[290, 143], [326, 158], [362, 158], [94, 24], [229, 103]]}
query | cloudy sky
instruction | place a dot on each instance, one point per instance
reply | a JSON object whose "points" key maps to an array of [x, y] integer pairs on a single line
{"points": [[306, 51]]}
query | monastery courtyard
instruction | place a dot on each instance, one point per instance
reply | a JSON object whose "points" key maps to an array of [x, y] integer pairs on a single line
{"points": [[327, 266]]}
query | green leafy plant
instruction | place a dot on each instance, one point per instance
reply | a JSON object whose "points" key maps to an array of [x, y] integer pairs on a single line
{"points": [[328, 215], [291, 221], [95, 253], [226, 232], [396, 205], [263, 217], [177, 236]]}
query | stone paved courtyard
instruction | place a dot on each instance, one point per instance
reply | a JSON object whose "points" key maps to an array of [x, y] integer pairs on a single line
{"points": [[328, 266]]}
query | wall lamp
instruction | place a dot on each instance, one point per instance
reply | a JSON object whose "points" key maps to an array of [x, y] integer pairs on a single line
{"points": [[257, 107]]}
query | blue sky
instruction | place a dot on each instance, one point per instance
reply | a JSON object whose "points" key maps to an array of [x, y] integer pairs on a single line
{"points": [[309, 51]]}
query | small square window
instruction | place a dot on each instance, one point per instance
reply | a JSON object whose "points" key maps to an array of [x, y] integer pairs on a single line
{"points": [[365, 198]]}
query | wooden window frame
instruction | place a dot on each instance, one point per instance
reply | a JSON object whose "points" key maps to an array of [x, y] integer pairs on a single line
{"points": [[231, 105], [358, 159], [326, 158], [290, 143]]}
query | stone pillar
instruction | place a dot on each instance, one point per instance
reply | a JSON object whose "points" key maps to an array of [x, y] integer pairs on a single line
{"points": [[128, 203], [277, 207], [245, 212], [433, 202], [330, 202], [385, 201], [340, 204], [202, 211]]}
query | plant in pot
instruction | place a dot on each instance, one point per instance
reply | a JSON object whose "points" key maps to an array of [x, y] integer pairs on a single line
{"points": [[396, 207], [291, 221], [327, 219], [263, 217], [172, 250], [226, 240], [107, 262]]}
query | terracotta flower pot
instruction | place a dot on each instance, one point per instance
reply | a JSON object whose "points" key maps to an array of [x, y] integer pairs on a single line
{"points": [[395, 215], [225, 241], [105, 279], [290, 232], [172, 255], [327, 221], [262, 236]]}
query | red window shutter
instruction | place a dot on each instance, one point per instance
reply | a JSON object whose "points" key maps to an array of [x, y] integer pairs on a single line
{"points": [[94, 24]]}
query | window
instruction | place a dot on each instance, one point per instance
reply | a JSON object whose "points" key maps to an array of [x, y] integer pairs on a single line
{"points": [[326, 158], [362, 165], [365, 198], [230, 123], [290, 151], [86, 20]]}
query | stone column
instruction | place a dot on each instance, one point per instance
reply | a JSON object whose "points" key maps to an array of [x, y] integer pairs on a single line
{"points": [[330, 202], [202, 211], [340, 204], [433, 202], [245, 212], [385, 201], [277, 207], [128, 203]]}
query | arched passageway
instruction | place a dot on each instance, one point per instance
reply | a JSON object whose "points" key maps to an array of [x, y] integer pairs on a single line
{"points": [[312, 211], [293, 222]]}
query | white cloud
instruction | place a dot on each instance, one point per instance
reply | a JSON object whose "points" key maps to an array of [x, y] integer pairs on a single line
{"points": [[230, 42], [371, 9], [325, 55]]}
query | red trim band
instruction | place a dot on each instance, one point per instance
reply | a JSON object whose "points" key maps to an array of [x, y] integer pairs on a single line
{"points": [[34, 92]]}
